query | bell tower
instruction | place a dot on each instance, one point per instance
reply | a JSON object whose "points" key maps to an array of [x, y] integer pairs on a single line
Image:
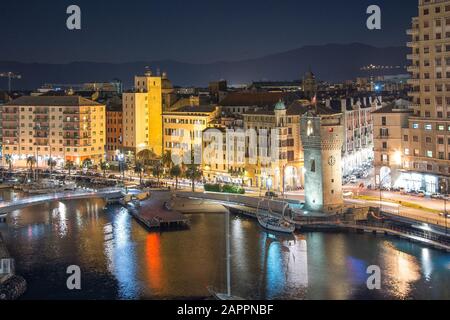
{"points": [[322, 138]]}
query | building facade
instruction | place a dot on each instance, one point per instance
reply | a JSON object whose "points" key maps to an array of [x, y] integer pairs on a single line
{"points": [[427, 137], [389, 149], [183, 129], [142, 114], [358, 144], [58, 127], [114, 131]]}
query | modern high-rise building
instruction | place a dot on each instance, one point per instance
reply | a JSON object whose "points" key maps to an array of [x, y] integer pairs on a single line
{"points": [[58, 127], [426, 154]]}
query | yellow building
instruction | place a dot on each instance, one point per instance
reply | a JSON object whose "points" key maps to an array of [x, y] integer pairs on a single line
{"points": [[183, 128], [142, 113], [285, 123], [58, 127]]}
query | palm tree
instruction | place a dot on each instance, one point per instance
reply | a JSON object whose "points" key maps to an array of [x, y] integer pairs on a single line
{"points": [[175, 171], [104, 166], [194, 174], [87, 163], [157, 170], [139, 168], [51, 163], [31, 161], [70, 165], [145, 156], [9, 161], [167, 160]]}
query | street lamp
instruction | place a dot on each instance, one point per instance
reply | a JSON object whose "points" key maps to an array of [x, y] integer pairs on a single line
{"points": [[445, 208], [381, 190]]}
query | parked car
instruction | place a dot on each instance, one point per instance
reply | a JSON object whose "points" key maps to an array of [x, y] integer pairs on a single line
{"points": [[271, 194]]}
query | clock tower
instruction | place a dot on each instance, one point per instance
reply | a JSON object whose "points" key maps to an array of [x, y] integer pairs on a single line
{"points": [[322, 135]]}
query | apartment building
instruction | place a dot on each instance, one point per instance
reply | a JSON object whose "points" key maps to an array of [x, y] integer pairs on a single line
{"points": [[427, 136], [358, 129], [114, 131], [389, 149], [183, 128], [58, 127]]}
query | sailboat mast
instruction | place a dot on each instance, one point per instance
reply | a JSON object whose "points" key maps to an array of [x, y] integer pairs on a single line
{"points": [[227, 230]]}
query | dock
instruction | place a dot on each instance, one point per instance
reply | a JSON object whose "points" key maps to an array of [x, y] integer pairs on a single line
{"points": [[156, 213]]}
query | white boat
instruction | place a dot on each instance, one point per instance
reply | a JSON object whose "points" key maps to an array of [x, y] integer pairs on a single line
{"points": [[271, 222], [276, 224], [227, 296]]}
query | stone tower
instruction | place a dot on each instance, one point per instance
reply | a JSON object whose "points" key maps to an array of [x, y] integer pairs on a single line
{"points": [[322, 138]]}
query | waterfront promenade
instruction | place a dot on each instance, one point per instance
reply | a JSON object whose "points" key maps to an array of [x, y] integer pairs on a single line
{"points": [[10, 206]]}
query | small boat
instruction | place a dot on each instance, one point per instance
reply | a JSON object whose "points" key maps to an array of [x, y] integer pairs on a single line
{"points": [[271, 222], [276, 224]]}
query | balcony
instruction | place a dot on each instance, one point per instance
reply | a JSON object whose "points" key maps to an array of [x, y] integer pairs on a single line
{"points": [[412, 32], [10, 135], [412, 69], [41, 128], [414, 82], [71, 128], [10, 111], [76, 112], [40, 112], [14, 119], [41, 135], [412, 56], [412, 44], [41, 119]]}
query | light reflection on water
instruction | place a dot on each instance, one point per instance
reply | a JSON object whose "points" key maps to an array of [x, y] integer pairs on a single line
{"points": [[119, 259]]}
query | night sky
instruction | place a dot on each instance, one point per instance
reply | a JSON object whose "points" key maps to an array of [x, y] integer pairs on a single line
{"points": [[190, 31]]}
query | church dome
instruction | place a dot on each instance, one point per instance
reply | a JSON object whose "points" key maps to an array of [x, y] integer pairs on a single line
{"points": [[280, 105]]}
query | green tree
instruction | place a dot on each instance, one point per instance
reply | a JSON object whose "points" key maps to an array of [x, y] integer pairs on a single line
{"points": [[139, 168], [52, 164], [9, 161], [157, 170], [175, 172], [194, 174], [167, 160], [70, 165], [145, 156], [104, 166], [31, 162], [87, 164]]}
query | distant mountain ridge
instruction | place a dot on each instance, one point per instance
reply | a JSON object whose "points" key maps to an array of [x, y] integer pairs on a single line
{"points": [[331, 62]]}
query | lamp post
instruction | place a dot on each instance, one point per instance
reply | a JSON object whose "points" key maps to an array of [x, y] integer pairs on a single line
{"points": [[381, 191], [445, 208]]}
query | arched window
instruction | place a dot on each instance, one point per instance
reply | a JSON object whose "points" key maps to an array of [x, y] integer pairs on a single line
{"points": [[310, 128]]}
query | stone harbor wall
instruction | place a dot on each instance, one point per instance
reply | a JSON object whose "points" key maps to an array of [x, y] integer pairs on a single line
{"points": [[12, 286]]}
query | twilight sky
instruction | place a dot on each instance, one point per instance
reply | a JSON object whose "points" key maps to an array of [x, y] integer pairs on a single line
{"points": [[190, 31]]}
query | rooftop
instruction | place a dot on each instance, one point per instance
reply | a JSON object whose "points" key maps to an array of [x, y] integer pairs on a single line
{"points": [[53, 101], [260, 99], [193, 109]]}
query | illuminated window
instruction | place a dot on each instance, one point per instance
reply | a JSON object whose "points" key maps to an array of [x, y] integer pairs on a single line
{"points": [[310, 129], [428, 127], [415, 126], [430, 154]]}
